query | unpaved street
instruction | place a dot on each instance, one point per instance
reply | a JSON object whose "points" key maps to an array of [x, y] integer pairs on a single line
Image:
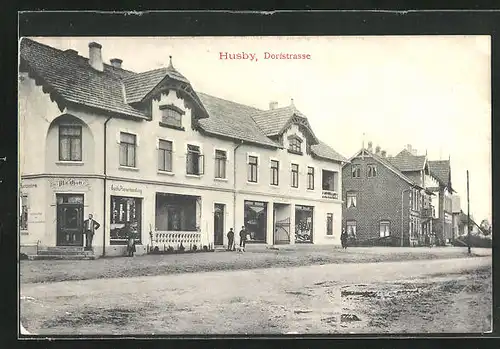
{"points": [[302, 299]]}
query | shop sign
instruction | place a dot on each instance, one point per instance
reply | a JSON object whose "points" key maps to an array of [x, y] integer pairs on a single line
{"points": [[120, 187], [29, 185], [35, 217], [57, 183], [328, 194]]}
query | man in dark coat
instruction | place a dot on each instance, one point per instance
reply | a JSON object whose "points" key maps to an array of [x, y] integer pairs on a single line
{"points": [[89, 228], [243, 237], [343, 239], [230, 238]]}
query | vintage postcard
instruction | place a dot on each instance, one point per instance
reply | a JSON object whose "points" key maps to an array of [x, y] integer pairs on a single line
{"points": [[254, 185]]}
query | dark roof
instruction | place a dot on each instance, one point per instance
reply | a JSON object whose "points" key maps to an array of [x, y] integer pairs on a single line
{"points": [[232, 120], [272, 121], [440, 169], [389, 165], [71, 77], [406, 161]]}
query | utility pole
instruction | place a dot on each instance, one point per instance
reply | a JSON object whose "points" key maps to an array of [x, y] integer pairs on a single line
{"points": [[468, 215]]}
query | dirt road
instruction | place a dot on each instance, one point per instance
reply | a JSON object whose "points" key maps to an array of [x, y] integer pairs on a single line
{"points": [[261, 301]]}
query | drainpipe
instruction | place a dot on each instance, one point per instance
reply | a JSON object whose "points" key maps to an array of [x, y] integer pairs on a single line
{"points": [[105, 187], [234, 184]]}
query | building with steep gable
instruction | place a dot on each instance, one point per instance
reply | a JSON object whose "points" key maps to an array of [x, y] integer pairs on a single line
{"points": [[146, 154]]}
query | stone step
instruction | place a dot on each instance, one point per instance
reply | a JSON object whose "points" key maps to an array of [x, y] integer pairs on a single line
{"points": [[61, 257], [64, 248], [63, 253]]}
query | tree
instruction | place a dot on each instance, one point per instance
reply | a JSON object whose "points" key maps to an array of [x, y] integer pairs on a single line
{"points": [[485, 226]]}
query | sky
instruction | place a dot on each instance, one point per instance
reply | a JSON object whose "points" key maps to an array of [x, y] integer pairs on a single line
{"points": [[433, 92]]}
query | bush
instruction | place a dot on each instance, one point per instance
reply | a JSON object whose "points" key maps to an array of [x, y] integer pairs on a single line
{"points": [[475, 241]]}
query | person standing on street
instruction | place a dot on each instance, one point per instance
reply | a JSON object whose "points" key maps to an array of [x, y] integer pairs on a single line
{"points": [[230, 238], [343, 239], [90, 226], [243, 237]]}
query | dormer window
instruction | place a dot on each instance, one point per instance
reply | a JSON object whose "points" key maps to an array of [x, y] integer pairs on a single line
{"points": [[295, 145], [171, 116]]}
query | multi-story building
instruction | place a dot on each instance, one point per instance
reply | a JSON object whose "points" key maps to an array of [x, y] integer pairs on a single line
{"points": [[144, 152], [383, 204]]}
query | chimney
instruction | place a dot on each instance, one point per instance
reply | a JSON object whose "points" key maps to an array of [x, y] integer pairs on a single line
{"points": [[71, 52], [370, 144], [414, 151], [377, 150], [116, 62], [383, 153], [95, 57], [408, 147], [273, 105]]}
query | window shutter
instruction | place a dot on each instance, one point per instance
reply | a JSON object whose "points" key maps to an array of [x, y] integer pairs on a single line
{"points": [[201, 164]]}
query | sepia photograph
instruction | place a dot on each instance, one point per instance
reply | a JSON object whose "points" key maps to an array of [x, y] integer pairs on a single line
{"points": [[254, 185]]}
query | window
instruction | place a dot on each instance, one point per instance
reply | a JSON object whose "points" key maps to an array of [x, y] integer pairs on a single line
{"points": [[295, 175], [351, 200], [310, 178], [252, 169], [351, 229], [385, 229], [295, 145], [372, 170], [329, 224], [165, 156], [127, 149], [24, 212], [125, 219], [356, 171], [194, 160], [171, 116], [220, 163], [70, 143], [275, 169]]}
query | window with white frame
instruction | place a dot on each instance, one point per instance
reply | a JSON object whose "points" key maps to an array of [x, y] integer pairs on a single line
{"points": [[253, 163], [310, 178], [295, 175], [385, 228], [194, 160], [70, 143], [351, 199], [351, 229], [220, 163], [128, 144], [165, 155], [329, 224], [356, 170], [295, 145], [275, 168], [171, 116]]}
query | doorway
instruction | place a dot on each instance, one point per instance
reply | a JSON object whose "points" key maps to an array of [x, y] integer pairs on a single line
{"points": [[219, 224], [69, 220]]}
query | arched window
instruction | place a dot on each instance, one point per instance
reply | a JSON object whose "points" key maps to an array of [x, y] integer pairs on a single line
{"points": [[171, 116]]}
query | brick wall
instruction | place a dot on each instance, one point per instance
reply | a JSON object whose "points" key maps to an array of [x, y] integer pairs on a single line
{"points": [[378, 199]]}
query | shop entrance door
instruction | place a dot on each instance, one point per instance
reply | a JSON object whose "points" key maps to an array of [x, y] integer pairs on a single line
{"points": [[219, 224], [69, 220]]}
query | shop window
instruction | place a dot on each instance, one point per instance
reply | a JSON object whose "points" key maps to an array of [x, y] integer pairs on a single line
{"points": [[310, 178], [329, 224], [127, 149], [125, 219], [255, 214], [220, 163], [304, 224], [70, 143], [165, 155], [385, 228], [176, 212], [24, 212], [275, 168]]}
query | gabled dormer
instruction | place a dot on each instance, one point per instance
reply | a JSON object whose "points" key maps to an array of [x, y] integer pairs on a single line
{"points": [[143, 89], [295, 144]]}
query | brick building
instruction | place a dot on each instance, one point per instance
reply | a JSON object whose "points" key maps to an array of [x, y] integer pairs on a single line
{"points": [[384, 205]]}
